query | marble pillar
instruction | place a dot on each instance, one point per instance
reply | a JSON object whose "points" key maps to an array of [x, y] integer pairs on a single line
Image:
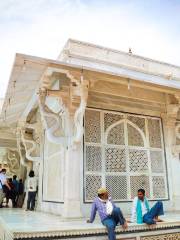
{"points": [[72, 206], [173, 168]]}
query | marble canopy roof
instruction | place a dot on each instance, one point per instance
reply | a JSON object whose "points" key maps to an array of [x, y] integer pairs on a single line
{"points": [[27, 73]]}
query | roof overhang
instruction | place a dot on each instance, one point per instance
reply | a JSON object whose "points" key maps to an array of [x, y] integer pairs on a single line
{"points": [[27, 74]]}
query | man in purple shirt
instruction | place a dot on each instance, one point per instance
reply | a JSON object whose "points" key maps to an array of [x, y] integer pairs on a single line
{"points": [[109, 214]]}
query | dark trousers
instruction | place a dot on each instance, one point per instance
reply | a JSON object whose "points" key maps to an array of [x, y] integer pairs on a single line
{"points": [[112, 221], [155, 211], [31, 200]]}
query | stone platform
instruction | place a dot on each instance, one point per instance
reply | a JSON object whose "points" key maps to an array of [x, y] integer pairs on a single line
{"points": [[20, 225]]}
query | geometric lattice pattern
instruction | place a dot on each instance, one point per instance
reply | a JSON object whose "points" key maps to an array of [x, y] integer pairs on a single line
{"points": [[92, 126], [116, 135], [115, 160], [138, 160], [93, 183], [138, 121], [134, 137], [154, 133], [111, 118], [117, 186], [156, 161], [139, 182], [167, 236], [159, 187], [93, 158], [123, 152]]}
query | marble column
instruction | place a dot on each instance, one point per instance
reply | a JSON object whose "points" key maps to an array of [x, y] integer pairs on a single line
{"points": [[72, 205], [169, 122]]}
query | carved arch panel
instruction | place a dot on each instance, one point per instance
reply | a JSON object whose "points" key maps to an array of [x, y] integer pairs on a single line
{"points": [[123, 152]]}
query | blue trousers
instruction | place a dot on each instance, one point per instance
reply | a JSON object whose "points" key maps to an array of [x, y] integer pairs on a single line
{"points": [[155, 211], [112, 221], [31, 200]]}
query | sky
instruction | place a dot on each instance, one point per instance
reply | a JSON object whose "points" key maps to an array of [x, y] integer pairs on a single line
{"points": [[42, 27]]}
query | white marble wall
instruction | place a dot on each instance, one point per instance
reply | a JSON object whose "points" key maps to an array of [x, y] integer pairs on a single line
{"points": [[53, 173]]}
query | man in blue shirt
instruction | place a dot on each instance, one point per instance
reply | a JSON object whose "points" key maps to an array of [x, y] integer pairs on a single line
{"points": [[3, 183], [109, 214]]}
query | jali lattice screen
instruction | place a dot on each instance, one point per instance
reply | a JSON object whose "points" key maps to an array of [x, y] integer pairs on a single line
{"points": [[123, 152]]}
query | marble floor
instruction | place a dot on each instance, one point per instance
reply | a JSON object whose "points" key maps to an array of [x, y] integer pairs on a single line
{"points": [[19, 222]]}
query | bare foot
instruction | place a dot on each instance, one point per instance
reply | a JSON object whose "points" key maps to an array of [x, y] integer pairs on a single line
{"points": [[156, 219], [125, 226]]}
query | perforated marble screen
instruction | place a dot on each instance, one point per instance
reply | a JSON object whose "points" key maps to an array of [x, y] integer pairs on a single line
{"points": [[123, 152]]}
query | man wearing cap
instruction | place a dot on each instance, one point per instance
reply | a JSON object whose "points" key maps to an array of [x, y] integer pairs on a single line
{"points": [[109, 214]]}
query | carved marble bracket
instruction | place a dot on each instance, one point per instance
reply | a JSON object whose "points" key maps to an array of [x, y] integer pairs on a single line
{"points": [[56, 118], [26, 142], [73, 102], [79, 114], [171, 122], [21, 150], [13, 160], [176, 147]]}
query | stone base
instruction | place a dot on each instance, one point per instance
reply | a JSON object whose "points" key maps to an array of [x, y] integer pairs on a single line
{"points": [[21, 225]]}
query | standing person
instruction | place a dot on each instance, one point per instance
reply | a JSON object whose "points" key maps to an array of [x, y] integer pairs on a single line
{"points": [[32, 190], [4, 186], [20, 194], [11, 194], [15, 184], [141, 212], [110, 215]]}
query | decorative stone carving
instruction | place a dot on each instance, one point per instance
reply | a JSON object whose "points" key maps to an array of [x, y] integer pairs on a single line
{"points": [[62, 120], [13, 160], [93, 182], [29, 141], [172, 236], [52, 121], [124, 155], [92, 126], [170, 120], [115, 159], [21, 149], [79, 114], [117, 187]]}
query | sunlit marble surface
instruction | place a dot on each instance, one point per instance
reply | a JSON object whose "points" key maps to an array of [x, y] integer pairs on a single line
{"points": [[18, 221]]}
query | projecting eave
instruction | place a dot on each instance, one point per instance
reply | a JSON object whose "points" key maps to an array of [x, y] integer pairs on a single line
{"points": [[27, 75]]}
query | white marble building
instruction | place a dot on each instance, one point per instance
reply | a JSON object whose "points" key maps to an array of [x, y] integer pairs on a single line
{"points": [[93, 117]]}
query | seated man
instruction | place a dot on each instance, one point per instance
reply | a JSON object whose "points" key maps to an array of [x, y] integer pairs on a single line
{"points": [[110, 215], [141, 212]]}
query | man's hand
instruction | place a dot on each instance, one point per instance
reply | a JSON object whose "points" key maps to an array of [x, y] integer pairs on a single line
{"points": [[88, 221], [125, 226]]}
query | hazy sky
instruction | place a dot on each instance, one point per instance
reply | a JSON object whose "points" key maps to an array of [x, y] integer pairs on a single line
{"points": [[41, 28]]}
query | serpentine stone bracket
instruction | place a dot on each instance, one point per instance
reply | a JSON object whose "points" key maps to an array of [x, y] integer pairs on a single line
{"points": [[79, 114], [172, 112], [68, 105], [13, 160], [56, 118], [21, 150], [31, 142]]}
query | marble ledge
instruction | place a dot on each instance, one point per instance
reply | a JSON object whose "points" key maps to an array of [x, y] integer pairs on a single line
{"points": [[95, 230], [35, 225]]}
